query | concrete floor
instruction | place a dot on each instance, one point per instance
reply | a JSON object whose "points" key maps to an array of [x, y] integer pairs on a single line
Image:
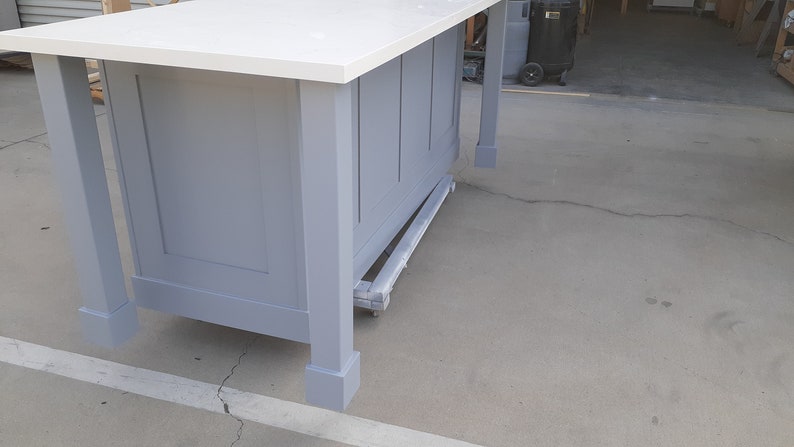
{"points": [[623, 277], [672, 55]]}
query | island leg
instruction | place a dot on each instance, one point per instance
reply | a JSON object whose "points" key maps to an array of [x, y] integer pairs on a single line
{"points": [[108, 317], [485, 153], [326, 158]]}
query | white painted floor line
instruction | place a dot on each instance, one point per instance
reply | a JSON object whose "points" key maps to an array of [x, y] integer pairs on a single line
{"points": [[266, 410], [541, 92]]}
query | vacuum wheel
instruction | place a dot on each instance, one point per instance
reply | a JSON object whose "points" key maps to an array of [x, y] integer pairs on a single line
{"points": [[531, 74]]}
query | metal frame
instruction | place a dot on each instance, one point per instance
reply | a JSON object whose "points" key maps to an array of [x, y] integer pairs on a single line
{"points": [[374, 295]]}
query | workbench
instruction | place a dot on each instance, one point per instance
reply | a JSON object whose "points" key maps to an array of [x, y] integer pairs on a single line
{"points": [[268, 151]]}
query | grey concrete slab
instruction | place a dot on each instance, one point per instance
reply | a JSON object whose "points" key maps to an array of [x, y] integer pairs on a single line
{"points": [[19, 112], [598, 291], [52, 410], [623, 277], [651, 157], [524, 324]]}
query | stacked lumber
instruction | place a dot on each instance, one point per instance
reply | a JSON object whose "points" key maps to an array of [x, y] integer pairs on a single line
{"points": [[16, 60], [94, 81]]}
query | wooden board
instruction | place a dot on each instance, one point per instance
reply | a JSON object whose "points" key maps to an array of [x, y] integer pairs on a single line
{"points": [[772, 23], [18, 61], [750, 21], [786, 71], [112, 6]]}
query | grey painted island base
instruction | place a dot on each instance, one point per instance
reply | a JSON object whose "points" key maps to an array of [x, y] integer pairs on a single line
{"points": [[270, 234]]}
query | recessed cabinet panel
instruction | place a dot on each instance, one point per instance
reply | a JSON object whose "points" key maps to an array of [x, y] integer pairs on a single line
{"points": [[417, 77], [204, 155], [208, 177], [407, 121], [445, 85], [210, 161], [379, 134]]}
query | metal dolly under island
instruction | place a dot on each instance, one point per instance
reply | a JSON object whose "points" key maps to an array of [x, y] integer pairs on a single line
{"points": [[374, 295]]}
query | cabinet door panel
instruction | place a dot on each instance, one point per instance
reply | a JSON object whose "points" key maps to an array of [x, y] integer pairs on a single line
{"points": [[208, 172]]}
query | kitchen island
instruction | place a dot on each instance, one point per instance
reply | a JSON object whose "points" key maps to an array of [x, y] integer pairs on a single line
{"points": [[267, 152]]}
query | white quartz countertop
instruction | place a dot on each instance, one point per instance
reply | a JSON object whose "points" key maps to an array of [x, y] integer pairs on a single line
{"points": [[321, 40]]}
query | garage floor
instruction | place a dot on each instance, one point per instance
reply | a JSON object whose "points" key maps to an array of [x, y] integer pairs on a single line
{"points": [[623, 277], [673, 55]]}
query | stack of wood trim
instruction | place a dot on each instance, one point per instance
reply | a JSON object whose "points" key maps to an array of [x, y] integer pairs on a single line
{"points": [[94, 81], [16, 60]]}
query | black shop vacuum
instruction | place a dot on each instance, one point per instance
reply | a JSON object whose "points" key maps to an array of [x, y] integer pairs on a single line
{"points": [[552, 41]]}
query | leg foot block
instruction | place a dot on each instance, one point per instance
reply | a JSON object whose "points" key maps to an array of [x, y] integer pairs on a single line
{"points": [[110, 330], [333, 389], [485, 156]]}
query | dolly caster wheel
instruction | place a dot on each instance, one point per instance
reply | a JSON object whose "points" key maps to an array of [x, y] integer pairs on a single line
{"points": [[375, 314]]}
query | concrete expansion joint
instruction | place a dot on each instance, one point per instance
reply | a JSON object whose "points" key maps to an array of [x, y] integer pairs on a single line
{"points": [[629, 215], [223, 383]]}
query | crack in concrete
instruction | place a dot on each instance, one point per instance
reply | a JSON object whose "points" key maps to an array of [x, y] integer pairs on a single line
{"points": [[629, 215], [465, 167], [25, 140], [223, 383], [29, 139], [34, 136]]}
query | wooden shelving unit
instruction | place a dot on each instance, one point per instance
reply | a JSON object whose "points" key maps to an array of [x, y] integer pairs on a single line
{"points": [[750, 19], [785, 69]]}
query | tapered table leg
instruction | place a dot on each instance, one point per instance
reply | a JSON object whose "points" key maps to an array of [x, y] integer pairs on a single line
{"points": [[485, 153], [108, 317], [333, 375]]}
